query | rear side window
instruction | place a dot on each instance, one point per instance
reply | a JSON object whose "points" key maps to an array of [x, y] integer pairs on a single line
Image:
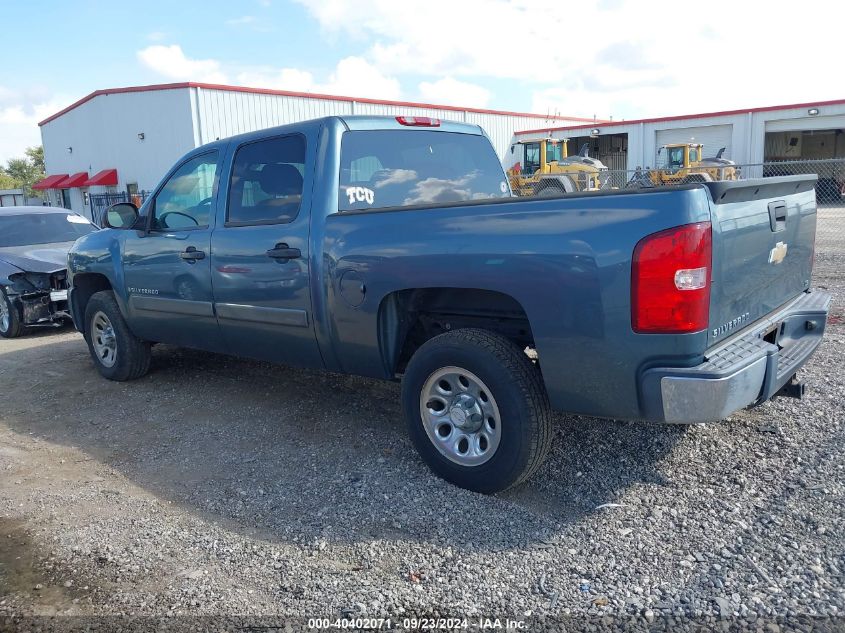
{"points": [[267, 177], [394, 168]]}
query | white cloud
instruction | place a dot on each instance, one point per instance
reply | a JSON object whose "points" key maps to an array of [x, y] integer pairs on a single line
{"points": [[171, 62], [356, 77], [20, 113], [283, 79], [352, 77], [609, 57], [450, 91]]}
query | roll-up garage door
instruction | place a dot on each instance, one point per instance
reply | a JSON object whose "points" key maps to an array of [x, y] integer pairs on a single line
{"points": [[713, 137]]}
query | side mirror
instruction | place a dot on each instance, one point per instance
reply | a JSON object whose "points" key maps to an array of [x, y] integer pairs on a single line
{"points": [[121, 215], [659, 151]]}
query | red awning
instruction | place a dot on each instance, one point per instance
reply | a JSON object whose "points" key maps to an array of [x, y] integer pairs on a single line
{"points": [[107, 177], [77, 180], [49, 182]]}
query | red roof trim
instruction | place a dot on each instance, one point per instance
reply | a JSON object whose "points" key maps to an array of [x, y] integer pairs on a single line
{"points": [[703, 115], [106, 177], [307, 95], [49, 181]]}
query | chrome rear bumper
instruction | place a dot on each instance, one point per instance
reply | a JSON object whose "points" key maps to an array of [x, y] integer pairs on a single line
{"points": [[744, 371]]}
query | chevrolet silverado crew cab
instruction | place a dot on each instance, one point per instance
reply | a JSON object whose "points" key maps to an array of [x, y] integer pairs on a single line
{"points": [[392, 248]]}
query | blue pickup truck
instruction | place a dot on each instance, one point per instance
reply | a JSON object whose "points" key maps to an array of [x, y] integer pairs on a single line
{"points": [[393, 248]]}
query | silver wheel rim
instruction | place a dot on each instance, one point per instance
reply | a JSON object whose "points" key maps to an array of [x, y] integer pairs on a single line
{"points": [[5, 316], [103, 339], [460, 416]]}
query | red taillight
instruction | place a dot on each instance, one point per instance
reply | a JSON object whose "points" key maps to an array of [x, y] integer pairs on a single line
{"points": [[418, 121], [670, 280]]}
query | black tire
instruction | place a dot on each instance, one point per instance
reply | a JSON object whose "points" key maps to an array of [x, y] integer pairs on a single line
{"points": [[132, 356], [549, 191], [553, 186], [13, 327], [517, 387], [695, 179]]}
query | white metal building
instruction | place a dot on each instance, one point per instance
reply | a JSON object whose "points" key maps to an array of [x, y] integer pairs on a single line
{"points": [[806, 131], [124, 139]]}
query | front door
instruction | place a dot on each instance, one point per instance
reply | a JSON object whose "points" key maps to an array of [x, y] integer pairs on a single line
{"points": [[259, 261], [167, 269]]}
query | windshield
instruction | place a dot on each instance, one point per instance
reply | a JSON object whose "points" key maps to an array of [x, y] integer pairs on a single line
{"points": [[42, 228], [394, 168], [553, 151], [674, 157]]}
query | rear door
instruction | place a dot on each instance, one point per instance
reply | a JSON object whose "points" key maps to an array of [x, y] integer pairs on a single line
{"points": [[259, 262], [763, 241]]}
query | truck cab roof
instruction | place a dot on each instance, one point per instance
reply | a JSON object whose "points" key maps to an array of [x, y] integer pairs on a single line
{"points": [[350, 122]]}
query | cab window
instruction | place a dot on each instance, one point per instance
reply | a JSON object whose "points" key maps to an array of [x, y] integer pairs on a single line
{"points": [[382, 169], [675, 157], [553, 151], [266, 184], [185, 200], [532, 158], [693, 154]]}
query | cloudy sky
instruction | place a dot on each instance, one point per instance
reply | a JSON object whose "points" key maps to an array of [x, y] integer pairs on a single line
{"points": [[620, 58]]}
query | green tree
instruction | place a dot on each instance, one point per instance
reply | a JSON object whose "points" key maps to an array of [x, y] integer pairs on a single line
{"points": [[36, 157], [7, 182], [26, 171]]}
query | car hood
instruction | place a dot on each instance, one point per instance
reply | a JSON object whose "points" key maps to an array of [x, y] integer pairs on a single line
{"points": [[37, 258]]}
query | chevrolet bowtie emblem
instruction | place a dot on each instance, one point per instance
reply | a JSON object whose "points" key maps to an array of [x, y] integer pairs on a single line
{"points": [[777, 253]]}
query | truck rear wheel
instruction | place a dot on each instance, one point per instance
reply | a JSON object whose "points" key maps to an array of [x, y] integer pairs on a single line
{"points": [[116, 351], [476, 409]]}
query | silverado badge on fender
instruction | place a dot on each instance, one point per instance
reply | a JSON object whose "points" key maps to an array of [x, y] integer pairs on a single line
{"points": [[777, 253]]}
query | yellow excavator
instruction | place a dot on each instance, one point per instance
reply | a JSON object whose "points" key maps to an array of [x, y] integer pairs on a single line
{"points": [[685, 165], [543, 167]]}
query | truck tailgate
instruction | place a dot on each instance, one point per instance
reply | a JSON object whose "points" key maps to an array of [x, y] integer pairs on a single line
{"points": [[764, 234]]}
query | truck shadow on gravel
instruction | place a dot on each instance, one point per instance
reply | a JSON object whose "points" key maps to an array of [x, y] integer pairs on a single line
{"points": [[294, 455]]}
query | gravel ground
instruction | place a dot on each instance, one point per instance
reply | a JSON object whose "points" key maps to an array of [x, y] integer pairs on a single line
{"points": [[216, 486]]}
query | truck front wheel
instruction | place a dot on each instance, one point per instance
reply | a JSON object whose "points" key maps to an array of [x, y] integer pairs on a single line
{"points": [[116, 351], [476, 409]]}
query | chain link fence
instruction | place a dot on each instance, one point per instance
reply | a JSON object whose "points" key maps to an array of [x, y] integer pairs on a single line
{"points": [[830, 187]]}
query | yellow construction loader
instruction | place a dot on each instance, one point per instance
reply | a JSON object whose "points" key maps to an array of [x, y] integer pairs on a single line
{"points": [[543, 167], [684, 164]]}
